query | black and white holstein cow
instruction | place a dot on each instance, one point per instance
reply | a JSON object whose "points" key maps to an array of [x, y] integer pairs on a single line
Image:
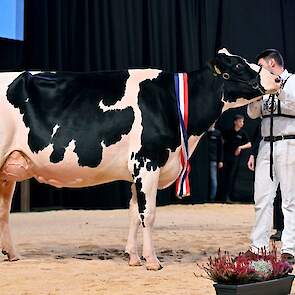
{"points": [[84, 129]]}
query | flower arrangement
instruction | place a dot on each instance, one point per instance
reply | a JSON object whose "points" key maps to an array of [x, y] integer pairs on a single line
{"points": [[246, 267]]}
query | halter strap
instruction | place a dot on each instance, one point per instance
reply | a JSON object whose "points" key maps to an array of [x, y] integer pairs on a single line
{"points": [[271, 138]]}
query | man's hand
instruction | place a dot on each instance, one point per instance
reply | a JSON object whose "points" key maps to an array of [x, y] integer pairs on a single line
{"points": [[238, 151], [251, 163], [220, 165]]}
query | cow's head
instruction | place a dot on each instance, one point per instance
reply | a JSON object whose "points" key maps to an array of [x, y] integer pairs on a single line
{"points": [[242, 79]]}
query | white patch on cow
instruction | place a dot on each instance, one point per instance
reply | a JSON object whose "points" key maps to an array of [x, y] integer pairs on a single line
{"points": [[254, 67], [132, 89], [27, 100], [35, 72], [238, 103], [54, 130], [224, 50], [72, 144], [105, 108]]}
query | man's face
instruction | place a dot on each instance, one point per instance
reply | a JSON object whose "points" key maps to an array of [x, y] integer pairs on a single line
{"points": [[239, 123], [265, 64]]}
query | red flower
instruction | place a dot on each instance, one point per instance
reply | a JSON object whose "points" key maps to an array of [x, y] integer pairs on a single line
{"points": [[226, 269]]}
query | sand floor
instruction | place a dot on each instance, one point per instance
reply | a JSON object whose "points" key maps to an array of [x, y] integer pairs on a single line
{"points": [[82, 252]]}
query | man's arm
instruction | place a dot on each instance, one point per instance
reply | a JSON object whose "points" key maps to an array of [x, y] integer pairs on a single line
{"points": [[243, 147], [246, 143], [254, 109]]}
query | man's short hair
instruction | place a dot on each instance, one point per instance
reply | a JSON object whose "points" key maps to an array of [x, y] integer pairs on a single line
{"points": [[238, 117], [267, 54]]}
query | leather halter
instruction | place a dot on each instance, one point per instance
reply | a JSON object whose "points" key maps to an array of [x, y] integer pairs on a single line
{"points": [[254, 83]]}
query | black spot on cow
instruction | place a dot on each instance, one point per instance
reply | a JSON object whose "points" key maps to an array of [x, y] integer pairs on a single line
{"points": [[151, 166], [70, 101], [140, 162], [160, 121], [136, 170], [141, 199], [205, 104]]}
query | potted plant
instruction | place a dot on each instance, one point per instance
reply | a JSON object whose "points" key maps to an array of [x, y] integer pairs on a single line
{"points": [[249, 274]]}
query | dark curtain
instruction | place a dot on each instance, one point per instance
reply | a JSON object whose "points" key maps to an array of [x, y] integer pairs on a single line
{"points": [[173, 35], [11, 55], [108, 35]]}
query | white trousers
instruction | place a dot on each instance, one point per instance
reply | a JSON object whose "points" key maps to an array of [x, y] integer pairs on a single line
{"points": [[265, 192]]}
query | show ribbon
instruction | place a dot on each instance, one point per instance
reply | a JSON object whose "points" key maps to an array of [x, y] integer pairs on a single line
{"points": [[181, 89]]}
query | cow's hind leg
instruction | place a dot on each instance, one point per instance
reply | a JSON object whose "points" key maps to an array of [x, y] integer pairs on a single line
{"points": [[134, 223], [6, 194]]}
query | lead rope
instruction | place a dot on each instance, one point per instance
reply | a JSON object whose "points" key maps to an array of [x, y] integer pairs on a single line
{"points": [[272, 96]]}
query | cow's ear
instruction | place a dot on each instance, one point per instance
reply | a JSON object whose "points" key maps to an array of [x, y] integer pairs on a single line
{"points": [[217, 70]]}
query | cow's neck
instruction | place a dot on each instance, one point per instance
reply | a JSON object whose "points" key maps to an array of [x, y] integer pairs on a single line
{"points": [[205, 100]]}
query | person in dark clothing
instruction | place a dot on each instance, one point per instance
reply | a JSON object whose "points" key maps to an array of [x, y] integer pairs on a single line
{"points": [[278, 217], [235, 141], [215, 153]]}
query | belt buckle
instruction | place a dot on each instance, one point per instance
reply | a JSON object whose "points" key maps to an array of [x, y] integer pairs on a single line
{"points": [[283, 137]]}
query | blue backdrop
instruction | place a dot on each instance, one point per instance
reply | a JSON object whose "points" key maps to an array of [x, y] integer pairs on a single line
{"points": [[12, 19]]}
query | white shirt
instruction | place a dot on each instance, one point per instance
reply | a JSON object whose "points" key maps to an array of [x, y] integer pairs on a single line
{"points": [[281, 125]]}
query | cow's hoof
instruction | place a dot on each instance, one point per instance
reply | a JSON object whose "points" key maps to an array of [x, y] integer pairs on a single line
{"points": [[134, 263], [153, 266], [133, 260], [11, 257], [14, 258]]}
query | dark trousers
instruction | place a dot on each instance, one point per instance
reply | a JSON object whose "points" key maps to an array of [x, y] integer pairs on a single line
{"points": [[278, 217], [229, 175]]}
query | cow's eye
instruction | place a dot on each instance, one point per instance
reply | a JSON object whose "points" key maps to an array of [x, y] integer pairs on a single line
{"points": [[239, 66]]}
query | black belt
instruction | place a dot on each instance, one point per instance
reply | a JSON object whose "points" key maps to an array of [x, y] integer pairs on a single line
{"points": [[280, 137]]}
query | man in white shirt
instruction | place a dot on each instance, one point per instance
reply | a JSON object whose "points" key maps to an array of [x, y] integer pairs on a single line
{"points": [[283, 168]]}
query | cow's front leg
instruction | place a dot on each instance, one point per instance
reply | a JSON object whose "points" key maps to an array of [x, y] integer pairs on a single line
{"points": [[134, 223], [146, 187], [6, 194]]}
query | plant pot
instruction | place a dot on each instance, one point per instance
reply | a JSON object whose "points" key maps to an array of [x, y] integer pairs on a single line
{"points": [[280, 286]]}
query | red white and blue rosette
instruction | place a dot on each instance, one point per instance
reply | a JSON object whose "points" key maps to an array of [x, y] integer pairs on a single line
{"points": [[181, 90]]}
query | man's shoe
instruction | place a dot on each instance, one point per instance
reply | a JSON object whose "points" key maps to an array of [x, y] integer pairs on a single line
{"points": [[288, 258], [276, 236]]}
